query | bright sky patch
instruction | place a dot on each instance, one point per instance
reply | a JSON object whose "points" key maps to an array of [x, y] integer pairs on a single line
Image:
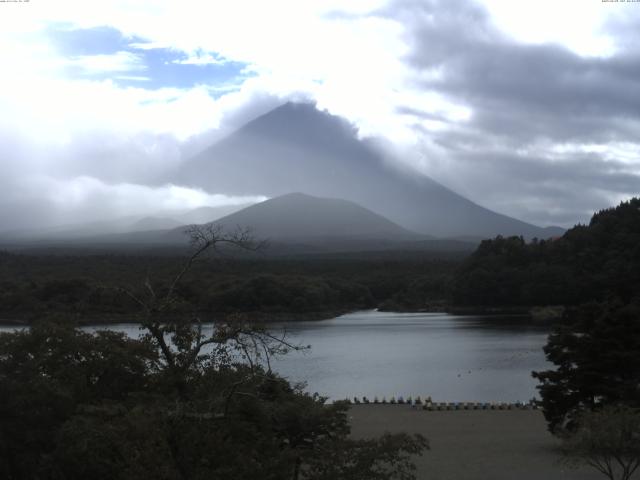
{"points": [[104, 53]]}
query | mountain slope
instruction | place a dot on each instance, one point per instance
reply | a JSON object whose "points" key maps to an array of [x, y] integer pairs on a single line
{"points": [[293, 224], [297, 148], [297, 216], [209, 214]]}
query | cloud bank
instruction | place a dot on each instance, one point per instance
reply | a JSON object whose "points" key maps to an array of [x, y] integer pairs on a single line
{"points": [[523, 110]]}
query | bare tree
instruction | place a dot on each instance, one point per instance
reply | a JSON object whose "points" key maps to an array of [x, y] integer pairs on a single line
{"points": [[180, 337]]}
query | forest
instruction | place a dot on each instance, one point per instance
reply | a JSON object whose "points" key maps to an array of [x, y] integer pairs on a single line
{"points": [[89, 286], [597, 261]]}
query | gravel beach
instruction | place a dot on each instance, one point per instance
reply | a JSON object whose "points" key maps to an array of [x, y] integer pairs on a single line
{"points": [[474, 444]]}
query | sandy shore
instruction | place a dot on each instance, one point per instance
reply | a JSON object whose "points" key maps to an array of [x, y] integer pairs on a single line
{"points": [[474, 444]]}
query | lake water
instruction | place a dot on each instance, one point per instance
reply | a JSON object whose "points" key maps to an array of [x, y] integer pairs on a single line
{"points": [[450, 358], [447, 357]]}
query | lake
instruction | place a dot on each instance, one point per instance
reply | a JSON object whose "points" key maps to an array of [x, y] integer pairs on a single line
{"points": [[450, 358], [447, 357]]}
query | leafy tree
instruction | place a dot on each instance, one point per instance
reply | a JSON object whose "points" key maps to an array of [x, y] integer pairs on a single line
{"points": [[51, 371], [176, 403], [607, 440], [596, 351]]}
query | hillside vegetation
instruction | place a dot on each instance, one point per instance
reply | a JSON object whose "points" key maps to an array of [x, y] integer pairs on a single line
{"points": [[589, 262]]}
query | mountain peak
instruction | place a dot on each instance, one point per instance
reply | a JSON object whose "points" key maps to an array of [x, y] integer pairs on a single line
{"points": [[296, 147], [304, 123], [298, 106]]}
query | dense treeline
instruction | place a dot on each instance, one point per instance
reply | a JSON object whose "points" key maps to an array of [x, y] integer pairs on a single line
{"points": [[589, 262], [89, 286]]}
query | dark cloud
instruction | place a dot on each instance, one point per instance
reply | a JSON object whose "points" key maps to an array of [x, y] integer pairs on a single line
{"points": [[523, 96], [550, 88], [539, 189]]}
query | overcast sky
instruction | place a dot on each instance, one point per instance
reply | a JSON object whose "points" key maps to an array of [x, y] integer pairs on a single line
{"points": [[531, 108]]}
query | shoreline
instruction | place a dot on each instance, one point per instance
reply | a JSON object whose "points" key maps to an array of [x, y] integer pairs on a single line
{"points": [[533, 315], [96, 320]]}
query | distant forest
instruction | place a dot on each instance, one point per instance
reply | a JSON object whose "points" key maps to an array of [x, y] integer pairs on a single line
{"points": [[598, 261], [595, 262], [88, 286]]}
